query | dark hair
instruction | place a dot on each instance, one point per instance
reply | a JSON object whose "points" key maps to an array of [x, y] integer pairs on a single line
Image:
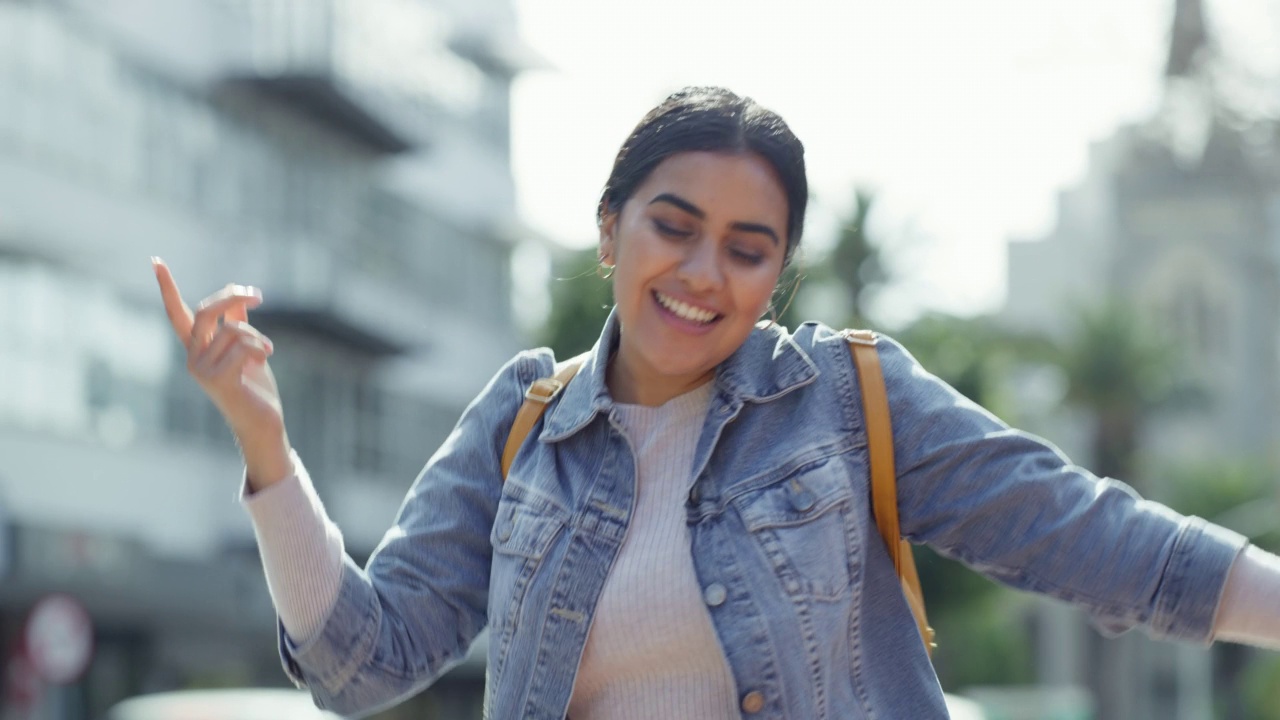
{"points": [[710, 119]]}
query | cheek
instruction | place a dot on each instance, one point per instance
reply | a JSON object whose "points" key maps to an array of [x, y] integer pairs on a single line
{"points": [[756, 294], [628, 286], [641, 257]]}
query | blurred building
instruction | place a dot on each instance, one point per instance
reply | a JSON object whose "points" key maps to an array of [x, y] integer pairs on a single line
{"points": [[1177, 218], [350, 157], [1193, 245]]}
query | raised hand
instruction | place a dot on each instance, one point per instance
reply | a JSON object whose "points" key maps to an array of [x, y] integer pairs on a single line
{"points": [[228, 358]]}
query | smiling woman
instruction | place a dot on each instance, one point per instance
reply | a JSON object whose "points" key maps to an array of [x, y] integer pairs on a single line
{"points": [[692, 533], [703, 210], [696, 260]]}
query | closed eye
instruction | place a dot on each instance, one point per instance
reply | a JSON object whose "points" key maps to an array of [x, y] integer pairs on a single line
{"points": [[670, 231]]}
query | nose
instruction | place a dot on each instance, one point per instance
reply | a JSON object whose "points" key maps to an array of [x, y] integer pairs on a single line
{"points": [[700, 269]]}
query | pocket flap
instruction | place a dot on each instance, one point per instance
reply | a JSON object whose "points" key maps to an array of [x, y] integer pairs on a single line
{"points": [[796, 499], [518, 530]]}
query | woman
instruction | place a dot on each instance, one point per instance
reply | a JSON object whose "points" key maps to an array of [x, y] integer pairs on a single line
{"points": [[688, 532]]}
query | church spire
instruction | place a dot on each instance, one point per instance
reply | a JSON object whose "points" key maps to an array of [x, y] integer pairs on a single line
{"points": [[1187, 39]]}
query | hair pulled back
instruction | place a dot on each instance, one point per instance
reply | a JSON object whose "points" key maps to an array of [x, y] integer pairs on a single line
{"points": [[710, 119]]}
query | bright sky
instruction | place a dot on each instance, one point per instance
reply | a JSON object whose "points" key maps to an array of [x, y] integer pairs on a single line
{"points": [[965, 117]]}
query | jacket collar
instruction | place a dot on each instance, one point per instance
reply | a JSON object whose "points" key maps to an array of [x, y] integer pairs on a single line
{"points": [[768, 365]]}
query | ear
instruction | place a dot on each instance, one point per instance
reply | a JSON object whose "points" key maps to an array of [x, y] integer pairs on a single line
{"points": [[608, 245]]}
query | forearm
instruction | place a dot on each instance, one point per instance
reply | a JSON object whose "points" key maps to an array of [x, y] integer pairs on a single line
{"points": [[1249, 611], [301, 551]]}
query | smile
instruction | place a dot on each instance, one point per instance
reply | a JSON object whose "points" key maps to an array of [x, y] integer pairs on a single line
{"points": [[684, 310]]}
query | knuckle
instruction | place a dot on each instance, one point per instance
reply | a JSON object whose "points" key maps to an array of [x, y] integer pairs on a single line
{"points": [[204, 314]]}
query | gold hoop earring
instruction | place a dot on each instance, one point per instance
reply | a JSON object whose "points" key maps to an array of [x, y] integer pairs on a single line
{"points": [[604, 272]]}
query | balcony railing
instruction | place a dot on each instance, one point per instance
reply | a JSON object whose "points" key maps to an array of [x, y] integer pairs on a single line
{"points": [[378, 69]]}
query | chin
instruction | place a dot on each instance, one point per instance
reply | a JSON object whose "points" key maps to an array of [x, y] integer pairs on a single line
{"points": [[665, 364]]}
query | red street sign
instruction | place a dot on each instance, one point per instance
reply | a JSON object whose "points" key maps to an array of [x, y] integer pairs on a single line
{"points": [[59, 639]]}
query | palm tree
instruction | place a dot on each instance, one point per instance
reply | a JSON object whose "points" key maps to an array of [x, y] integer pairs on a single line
{"points": [[1120, 372], [856, 261], [580, 302]]}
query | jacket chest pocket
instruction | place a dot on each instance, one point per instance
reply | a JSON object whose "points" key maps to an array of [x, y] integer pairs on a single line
{"points": [[521, 537], [802, 525]]}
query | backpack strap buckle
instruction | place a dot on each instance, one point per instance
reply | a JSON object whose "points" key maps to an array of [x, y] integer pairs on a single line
{"points": [[861, 337], [544, 390]]}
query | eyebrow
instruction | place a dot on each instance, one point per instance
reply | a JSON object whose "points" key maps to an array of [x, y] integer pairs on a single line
{"points": [[697, 212]]}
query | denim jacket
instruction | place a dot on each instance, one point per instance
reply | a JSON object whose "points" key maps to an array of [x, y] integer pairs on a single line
{"points": [[802, 593]]}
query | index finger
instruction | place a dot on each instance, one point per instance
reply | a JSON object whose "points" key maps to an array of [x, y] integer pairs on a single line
{"points": [[179, 314]]}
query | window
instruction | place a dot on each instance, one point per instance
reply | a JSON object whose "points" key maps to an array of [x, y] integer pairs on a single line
{"points": [[370, 419], [64, 378]]}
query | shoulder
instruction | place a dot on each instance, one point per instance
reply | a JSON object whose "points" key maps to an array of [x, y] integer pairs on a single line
{"points": [[529, 365], [505, 390], [828, 348], [817, 338]]}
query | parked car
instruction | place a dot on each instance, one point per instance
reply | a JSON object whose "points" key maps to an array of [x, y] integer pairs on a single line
{"points": [[283, 704], [964, 709], [228, 704]]}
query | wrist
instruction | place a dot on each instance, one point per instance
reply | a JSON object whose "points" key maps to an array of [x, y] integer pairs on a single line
{"points": [[267, 460]]}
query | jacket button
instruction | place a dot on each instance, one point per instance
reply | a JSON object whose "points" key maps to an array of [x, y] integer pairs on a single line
{"points": [[715, 594], [753, 702]]}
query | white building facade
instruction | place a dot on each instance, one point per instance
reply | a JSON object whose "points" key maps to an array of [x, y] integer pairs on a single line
{"points": [[349, 158]]}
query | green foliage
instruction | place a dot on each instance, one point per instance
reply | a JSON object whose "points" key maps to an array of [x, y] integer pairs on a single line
{"points": [[1121, 370], [791, 284], [977, 643], [973, 355], [855, 269], [857, 263], [1115, 362], [580, 302], [1261, 686], [1238, 495]]}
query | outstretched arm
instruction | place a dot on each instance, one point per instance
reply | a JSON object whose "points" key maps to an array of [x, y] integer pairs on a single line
{"points": [[1012, 507], [1250, 608]]}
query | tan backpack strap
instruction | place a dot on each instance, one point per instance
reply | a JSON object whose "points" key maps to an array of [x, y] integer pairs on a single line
{"points": [[884, 481], [536, 399], [875, 409]]}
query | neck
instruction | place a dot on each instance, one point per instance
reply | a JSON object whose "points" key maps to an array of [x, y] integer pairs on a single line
{"points": [[635, 386]]}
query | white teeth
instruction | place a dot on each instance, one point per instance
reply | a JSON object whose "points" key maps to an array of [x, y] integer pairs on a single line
{"points": [[685, 310]]}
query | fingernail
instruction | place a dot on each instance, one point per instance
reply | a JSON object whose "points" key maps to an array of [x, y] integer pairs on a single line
{"points": [[155, 260]]}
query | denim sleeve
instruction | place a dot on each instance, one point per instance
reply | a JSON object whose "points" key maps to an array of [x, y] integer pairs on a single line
{"points": [[414, 610], [1012, 507]]}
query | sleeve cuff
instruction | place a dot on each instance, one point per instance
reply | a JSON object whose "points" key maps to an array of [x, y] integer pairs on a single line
{"points": [[1194, 581]]}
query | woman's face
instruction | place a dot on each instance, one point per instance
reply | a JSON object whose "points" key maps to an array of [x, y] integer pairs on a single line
{"points": [[697, 250]]}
